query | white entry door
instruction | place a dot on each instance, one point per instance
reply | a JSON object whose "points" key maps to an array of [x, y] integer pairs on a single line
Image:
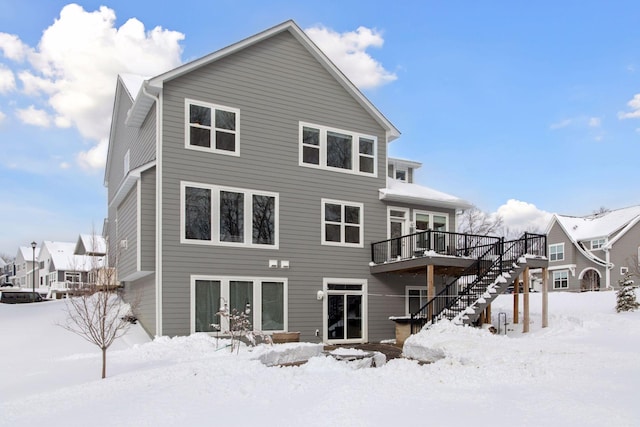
{"points": [[398, 227], [345, 311]]}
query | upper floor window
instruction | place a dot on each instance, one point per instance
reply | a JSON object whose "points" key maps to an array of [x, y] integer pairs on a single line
{"points": [[211, 127], [336, 149], [556, 252], [342, 223], [401, 175], [598, 243], [228, 216]]}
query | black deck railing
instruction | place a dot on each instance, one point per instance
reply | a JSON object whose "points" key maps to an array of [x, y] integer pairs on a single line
{"points": [[425, 243], [472, 283]]}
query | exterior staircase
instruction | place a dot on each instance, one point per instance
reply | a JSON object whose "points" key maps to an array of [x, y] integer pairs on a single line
{"points": [[465, 297]]}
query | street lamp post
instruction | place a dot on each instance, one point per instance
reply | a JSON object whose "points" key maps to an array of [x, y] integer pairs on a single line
{"points": [[33, 270]]}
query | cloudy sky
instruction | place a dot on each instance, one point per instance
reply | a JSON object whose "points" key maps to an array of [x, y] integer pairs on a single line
{"points": [[522, 108]]}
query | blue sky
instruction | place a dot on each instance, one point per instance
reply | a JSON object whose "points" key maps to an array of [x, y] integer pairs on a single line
{"points": [[531, 102]]}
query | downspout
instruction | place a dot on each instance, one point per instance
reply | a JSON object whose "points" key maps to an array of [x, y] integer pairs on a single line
{"points": [[158, 263], [607, 269]]}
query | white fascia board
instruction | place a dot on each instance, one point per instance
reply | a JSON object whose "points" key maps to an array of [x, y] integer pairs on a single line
{"points": [[394, 198], [129, 181]]}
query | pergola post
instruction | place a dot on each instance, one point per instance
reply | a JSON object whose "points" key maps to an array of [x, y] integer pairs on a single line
{"points": [[516, 300], [525, 301], [545, 298]]}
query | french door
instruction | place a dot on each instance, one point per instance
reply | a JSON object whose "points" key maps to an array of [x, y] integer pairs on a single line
{"points": [[345, 311]]}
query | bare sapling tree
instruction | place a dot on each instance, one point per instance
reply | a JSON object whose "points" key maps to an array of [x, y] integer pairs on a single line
{"points": [[475, 221], [96, 312]]}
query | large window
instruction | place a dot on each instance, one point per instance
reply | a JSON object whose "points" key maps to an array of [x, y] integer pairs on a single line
{"points": [[212, 127], [342, 223], [265, 300], [228, 216], [561, 279], [556, 252], [336, 149]]}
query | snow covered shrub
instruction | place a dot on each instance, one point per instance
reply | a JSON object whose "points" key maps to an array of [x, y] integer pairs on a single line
{"points": [[240, 327], [626, 295]]}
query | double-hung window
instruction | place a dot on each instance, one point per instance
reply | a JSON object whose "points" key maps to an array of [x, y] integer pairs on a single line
{"points": [[342, 223], [556, 252], [263, 300], [598, 243], [211, 127], [228, 216], [561, 279], [338, 150]]}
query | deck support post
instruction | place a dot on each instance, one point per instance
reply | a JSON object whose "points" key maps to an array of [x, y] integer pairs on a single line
{"points": [[431, 288], [487, 314], [525, 301], [545, 298], [516, 300]]}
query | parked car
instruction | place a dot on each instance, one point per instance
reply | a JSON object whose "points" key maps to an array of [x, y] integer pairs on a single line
{"points": [[19, 297]]}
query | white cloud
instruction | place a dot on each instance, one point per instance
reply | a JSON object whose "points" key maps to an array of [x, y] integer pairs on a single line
{"points": [[76, 63], [13, 48], [33, 116], [561, 124], [95, 157], [523, 216], [7, 80], [595, 122], [634, 104], [348, 52], [64, 165]]}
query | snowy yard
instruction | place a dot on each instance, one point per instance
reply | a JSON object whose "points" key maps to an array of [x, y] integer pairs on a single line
{"points": [[583, 370]]}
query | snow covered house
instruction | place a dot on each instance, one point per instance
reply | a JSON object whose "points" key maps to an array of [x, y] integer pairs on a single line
{"points": [[258, 176], [62, 270], [26, 264], [592, 252]]}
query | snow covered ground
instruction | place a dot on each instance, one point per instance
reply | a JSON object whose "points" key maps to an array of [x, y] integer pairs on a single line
{"points": [[584, 370]]}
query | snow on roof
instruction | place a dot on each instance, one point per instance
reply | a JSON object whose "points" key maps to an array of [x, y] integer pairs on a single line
{"points": [[398, 191], [89, 244], [133, 83], [404, 162], [63, 258], [598, 225], [27, 253]]}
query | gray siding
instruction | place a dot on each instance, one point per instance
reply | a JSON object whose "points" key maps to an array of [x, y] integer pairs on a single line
{"points": [[623, 253], [148, 220], [142, 292], [127, 217], [275, 84]]}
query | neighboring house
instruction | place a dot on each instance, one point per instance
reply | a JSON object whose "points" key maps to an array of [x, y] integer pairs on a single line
{"points": [[259, 176], [61, 268], [592, 252], [4, 278], [25, 266]]}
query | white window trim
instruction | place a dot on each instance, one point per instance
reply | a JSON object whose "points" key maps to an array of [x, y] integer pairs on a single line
{"points": [[406, 296], [215, 208], [365, 308], [401, 169], [355, 151], [557, 273], [213, 107], [431, 214], [599, 243], [556, 245], [342, 243], [389, 217], [256, 308]]}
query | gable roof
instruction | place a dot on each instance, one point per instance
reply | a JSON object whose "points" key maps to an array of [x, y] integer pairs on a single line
{"points": [[26, 253], [598, 225], [89, 244], [63, 257], [403, 192], [154, 85]]}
